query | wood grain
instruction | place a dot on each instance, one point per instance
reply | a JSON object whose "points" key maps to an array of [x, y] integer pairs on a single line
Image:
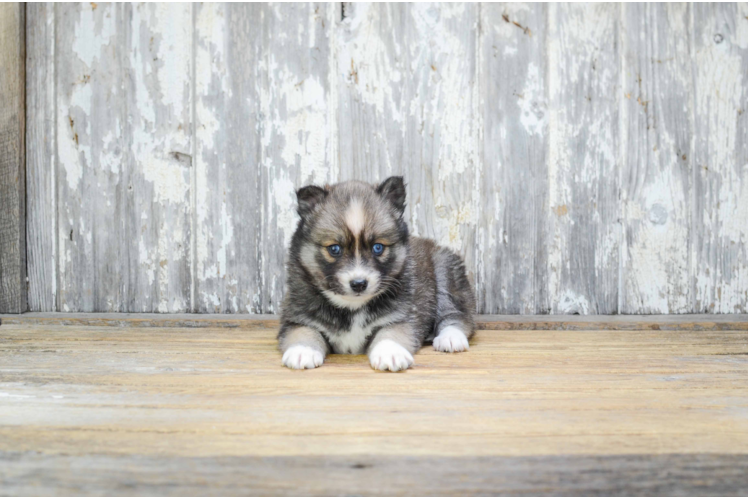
{"points": [[511, 244], [92, 137], [583, 162], [26, 474], [156, 175], [694, 322], [226, 182], [41, 158], [86, 408], [12, 158], [720, 175], [656, 159]]}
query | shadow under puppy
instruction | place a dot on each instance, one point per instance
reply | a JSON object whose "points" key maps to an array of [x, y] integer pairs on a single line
{"points": [[357, 283]]}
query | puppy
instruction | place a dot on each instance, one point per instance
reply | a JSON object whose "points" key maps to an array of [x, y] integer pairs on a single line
{"points": [[357, 283]]}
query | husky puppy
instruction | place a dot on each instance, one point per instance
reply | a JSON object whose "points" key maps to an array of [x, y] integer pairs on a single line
{"points": [[357, 283]]}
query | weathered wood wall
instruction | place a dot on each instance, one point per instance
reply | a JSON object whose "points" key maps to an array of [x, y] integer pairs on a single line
{"points": [[12, 161], [584, 158]]}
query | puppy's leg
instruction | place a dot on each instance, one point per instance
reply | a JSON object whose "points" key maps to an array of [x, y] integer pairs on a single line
{"points": [[393, 348], [302, 347], [455, 303]]}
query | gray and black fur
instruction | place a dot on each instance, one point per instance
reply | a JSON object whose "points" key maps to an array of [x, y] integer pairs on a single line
{"points": [[415, 289]]}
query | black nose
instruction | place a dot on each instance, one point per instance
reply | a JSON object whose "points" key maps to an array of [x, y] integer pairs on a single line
{"points": [[358, 286]]}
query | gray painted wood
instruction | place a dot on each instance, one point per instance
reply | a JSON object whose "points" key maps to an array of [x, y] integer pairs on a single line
{"points": [[12, 158], [92, 157], [227, 186], [41, 200], [124, 151], [582, 158], [656, 162], [157, 161], [720, 173], [511, 245]]}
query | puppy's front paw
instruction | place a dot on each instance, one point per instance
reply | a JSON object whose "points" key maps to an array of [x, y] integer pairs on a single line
{"points": [[300, 357], [451, 339], [389, 355]]}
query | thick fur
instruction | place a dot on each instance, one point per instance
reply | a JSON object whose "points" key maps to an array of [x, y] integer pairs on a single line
{"points": [[416, 289]]}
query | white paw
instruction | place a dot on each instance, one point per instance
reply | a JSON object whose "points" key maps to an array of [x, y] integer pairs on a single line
{"points": [[451, 339], [299, 357], [389, 355]]}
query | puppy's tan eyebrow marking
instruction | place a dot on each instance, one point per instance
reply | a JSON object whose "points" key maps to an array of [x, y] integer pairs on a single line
{"points": [[355, 219]]}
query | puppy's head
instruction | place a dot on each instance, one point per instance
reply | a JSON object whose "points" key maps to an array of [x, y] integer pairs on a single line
{"points": [[352, 239]]}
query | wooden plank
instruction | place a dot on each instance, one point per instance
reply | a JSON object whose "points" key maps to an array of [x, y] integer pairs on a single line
{"points": [[157, 169], [371, 78], [145, 320], [92, 137], [694, 322], [92, 407], [12, 158], [41, 171], [583, 161], [656, 158], [408, 97], [511, 242], [30, 474], [227, 204], [720, 178], [264, 129], [123, 144]]}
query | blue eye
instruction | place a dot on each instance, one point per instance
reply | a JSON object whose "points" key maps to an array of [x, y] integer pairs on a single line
{"points": [[335, 250], [377, 249]]}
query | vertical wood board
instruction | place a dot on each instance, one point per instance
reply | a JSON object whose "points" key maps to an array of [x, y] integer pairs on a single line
{"points": [[92, 154], [157, 174], [12, 158], [656, 158], [720, 174], [227, 205], [41, 191], [583, 158], [511, 247]]}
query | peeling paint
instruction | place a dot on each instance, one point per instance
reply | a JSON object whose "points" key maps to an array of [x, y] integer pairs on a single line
{"points": [[369, 64], [720, 265], [284, 198], [622, 211], [533, 103], [88, 43]]}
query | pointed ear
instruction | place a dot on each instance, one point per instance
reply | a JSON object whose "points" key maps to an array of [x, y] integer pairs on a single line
{"points": [[393, 190], [308, 198]]}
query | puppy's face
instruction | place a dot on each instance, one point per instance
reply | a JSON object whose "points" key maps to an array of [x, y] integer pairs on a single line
{"points": [[354, 241]]}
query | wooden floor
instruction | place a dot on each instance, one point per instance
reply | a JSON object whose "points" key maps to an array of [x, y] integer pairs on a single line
{"points": [[132, 410]]}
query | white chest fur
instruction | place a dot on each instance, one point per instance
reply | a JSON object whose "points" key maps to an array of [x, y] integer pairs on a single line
{"points": [[352, 342]]}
